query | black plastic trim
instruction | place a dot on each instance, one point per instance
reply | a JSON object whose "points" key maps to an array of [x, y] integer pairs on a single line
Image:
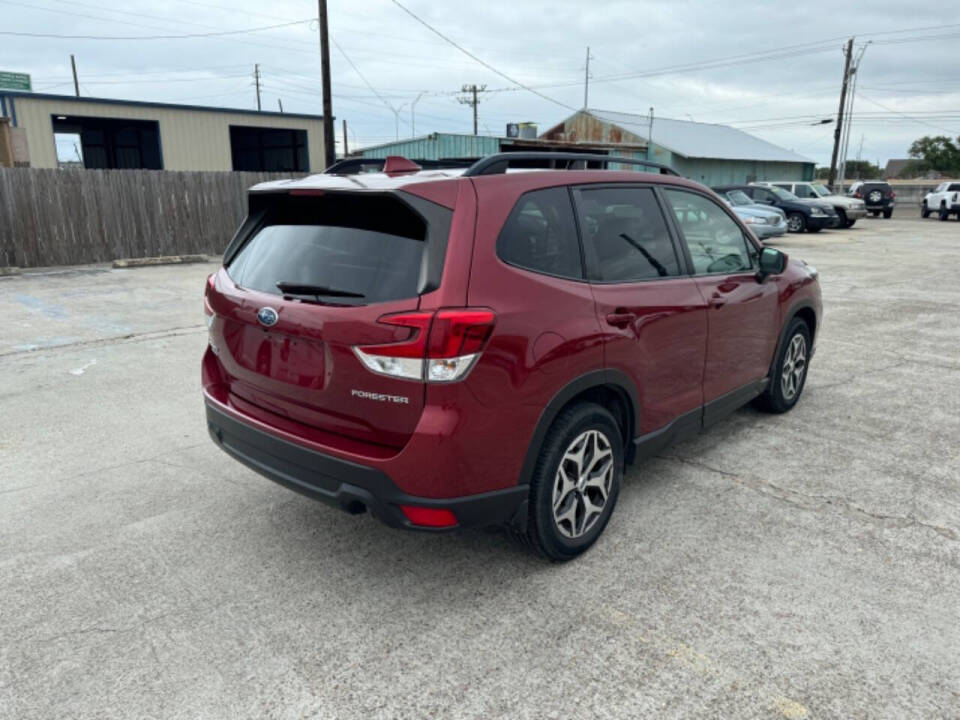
{"points": [[789, 316], [681, 428], [595, 379], [351, 487], [439, 220], [718, 408]]}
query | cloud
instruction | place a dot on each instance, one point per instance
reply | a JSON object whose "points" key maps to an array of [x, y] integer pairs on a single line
{"points": [[638, 52]]}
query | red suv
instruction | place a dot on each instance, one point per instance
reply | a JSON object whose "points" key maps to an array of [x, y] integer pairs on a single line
{"points": [[455, 348]]}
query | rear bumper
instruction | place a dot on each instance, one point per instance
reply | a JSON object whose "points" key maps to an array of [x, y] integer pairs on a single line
{"points": [[346, 485], [854, 213]]}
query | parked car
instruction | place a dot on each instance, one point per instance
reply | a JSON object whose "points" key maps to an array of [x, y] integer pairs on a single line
{"points": [[944, 200], [801, 216], [764, 222], [877, 195], [849, 210], [460, 348]]}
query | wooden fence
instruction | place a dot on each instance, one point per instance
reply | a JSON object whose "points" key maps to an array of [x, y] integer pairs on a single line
{"points": [[73, 217]]}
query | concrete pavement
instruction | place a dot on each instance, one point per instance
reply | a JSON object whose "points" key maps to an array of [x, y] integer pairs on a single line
{"points": [[805, 565]]}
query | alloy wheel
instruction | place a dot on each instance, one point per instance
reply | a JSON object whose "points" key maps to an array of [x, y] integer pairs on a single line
{"points": [[794, 366], [795, 223], [582, 483]]}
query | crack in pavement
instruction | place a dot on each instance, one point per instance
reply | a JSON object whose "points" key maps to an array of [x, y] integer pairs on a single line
{"points": [[102, 342], [809, 501]]}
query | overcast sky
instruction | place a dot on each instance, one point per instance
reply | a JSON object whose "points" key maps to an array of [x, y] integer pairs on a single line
{"points": [[769, 68]]}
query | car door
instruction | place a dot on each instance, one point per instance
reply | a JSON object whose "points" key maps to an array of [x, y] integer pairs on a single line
{"points": [[743, 313], [652, 315], [761, 195]]}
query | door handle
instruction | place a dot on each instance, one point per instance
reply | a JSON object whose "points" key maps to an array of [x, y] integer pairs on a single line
{"points": [[621, 318]]}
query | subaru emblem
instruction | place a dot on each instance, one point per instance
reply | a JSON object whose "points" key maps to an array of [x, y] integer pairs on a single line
{"points": [[267, 316]]}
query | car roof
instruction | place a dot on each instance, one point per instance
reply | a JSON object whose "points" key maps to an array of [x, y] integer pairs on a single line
{"points": [[530, 178]]}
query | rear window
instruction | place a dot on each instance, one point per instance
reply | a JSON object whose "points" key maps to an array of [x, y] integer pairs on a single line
{"points": [[342, 249]]}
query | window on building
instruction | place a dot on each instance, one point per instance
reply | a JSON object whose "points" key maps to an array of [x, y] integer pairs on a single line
{"points": [[627, 234], [268, 149], [109, 143]]}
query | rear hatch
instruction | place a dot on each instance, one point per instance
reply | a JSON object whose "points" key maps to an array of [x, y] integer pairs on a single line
{"points": [[874, 193], [302, 285]]}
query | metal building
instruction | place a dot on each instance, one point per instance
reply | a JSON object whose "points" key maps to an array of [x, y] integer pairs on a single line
{"points": [[439, 146], [708, 153], [126, 134]]}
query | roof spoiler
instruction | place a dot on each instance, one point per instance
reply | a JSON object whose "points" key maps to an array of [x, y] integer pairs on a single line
{"points": [[356, 165], [499, 163]]}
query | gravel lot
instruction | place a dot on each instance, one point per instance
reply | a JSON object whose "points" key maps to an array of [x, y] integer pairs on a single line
{"points": [[796, 566]]}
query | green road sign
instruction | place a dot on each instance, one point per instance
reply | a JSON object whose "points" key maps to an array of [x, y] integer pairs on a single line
{"points": [[14, 81]]}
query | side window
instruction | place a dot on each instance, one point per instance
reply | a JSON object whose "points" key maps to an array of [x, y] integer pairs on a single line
{"points": [[541, 235], [784, 186], [804, 191], [627, 234], [715, 241]]}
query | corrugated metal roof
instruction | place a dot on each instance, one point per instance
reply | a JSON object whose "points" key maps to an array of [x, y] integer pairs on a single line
{"points": [[700, 140], [141, 103], [437, 146]]}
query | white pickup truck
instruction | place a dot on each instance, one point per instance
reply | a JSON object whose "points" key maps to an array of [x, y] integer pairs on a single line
{"points": [[945, 201]]}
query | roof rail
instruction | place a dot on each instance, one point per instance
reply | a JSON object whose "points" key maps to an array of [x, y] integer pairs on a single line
{"points": [[355, 165], [499, 162]]}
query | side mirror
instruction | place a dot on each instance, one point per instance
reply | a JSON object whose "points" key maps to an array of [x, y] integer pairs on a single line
{"points": [[772, 262]]}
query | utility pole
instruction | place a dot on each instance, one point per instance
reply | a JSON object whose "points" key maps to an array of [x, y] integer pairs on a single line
{"points": [[838, 130], [280, 104], [854, 73], [586, 80], [76, 83], [472, 100], [650, 135], [329, 150], [256, 82], [345, 150]]}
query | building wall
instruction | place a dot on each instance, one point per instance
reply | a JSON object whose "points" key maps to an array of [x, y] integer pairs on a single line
{"points": [[189, 139], [732, 172], [437, 146]]}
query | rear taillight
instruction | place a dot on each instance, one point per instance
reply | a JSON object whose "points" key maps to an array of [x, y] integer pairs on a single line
{"points": [[429, 517], [955, 196], [892, 194], [442, 346], [857, 194]]}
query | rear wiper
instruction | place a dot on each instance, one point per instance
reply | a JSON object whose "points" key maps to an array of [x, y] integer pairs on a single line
{"points": [[290, 288]]}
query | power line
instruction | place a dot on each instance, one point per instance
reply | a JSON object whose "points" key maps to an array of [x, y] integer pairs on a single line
{"points": [[482, 62], [155, 37]]}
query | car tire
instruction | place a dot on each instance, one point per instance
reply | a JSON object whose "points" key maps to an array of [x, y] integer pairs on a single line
{"points": [[787, 380], [850, 223], [796, 222], [924, 210], [888, 214], [585, 440], [944, 214], [814, 230], [843, 219]]}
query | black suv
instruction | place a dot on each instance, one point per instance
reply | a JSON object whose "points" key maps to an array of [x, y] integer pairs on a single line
{"points": [[877, 195]]}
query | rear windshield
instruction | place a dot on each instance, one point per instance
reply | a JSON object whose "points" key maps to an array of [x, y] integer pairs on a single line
{"points": [[334, 248]]}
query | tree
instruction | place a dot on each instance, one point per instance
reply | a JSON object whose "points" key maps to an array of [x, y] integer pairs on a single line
{"points": [[937, 153]]}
